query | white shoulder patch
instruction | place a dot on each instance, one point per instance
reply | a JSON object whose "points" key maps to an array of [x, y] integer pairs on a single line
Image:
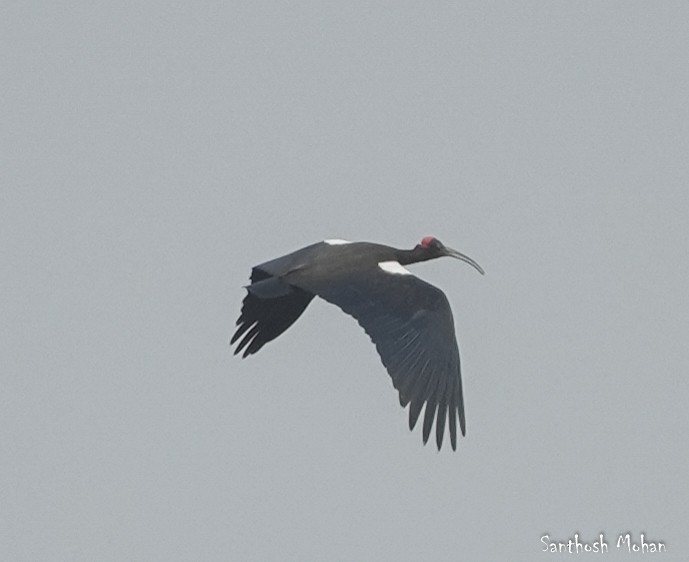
{"points": [[336, 241], [394, 267]]}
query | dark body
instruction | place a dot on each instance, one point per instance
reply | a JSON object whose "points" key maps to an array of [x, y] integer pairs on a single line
{"points": [[409, 320]]}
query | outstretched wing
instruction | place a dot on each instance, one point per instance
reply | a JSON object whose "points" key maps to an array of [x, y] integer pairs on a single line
{"points": [[411, 324], [264, 318]]}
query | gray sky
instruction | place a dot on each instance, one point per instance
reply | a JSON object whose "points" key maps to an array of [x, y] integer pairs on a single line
{"points": [[153, 152]]}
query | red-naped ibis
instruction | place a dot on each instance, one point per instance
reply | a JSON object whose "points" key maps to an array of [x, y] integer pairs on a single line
{"points": [[408, 320]]}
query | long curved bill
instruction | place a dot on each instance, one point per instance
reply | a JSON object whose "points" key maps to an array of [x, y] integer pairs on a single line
{"points": [[460, 256]]}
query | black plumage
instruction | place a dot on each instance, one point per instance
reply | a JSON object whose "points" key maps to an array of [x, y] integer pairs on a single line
{"points": [[408, 320]]}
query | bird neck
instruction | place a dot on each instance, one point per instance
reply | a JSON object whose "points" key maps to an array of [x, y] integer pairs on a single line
{"points": [[415, 255]]}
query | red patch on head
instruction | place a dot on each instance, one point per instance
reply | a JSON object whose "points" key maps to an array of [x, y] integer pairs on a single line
{"points": [[427, 241]]}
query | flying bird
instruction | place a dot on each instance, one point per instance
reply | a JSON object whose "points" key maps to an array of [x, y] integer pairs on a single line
{"points": [[408, 320]]}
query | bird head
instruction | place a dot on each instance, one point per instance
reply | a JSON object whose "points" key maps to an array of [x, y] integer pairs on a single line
{"points": [[430, 247]]}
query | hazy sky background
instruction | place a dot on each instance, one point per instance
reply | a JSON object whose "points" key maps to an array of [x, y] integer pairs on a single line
{"points": [[152, 152]]}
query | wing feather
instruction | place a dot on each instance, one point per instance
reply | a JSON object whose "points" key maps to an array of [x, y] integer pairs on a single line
{"points": [[264, 319], [411, 324]]}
